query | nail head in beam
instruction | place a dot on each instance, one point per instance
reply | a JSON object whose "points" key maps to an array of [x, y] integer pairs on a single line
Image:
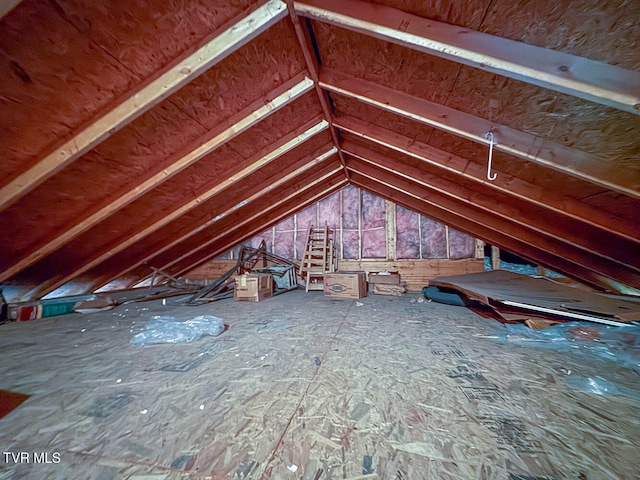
{"points": [[577, 76], [231, 39]]}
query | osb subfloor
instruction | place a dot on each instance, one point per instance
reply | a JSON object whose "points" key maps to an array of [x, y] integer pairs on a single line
{"points": [[388, 388]]}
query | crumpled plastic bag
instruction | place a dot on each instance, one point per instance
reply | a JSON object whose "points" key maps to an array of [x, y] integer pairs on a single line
{"points": [[617, 344], [600, 386], [165, 329]]}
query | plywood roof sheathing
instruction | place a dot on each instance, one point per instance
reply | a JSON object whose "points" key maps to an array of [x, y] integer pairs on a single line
{"points": [[255, 219], [511, 229], [121, 245], [255, 199]]}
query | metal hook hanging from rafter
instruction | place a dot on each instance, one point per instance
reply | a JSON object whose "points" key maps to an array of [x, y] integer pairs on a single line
{"points": [[489, 136]]}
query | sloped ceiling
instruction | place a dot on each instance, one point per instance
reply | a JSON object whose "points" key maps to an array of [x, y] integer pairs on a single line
{"points": [[161, 133]]}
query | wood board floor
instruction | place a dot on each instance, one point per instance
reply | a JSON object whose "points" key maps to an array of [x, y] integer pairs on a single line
{"points": [[376, 388]]}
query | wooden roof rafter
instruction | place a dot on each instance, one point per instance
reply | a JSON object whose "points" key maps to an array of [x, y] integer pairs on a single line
{"points": [[523, 145], [141, 272], [577, 76], [236, 125], [122, 244], [312, 65], [252, 222], [232, 36], [307, 185], [80, 215], [243, 235], [308, 162], [504, 183], [551, 246]]}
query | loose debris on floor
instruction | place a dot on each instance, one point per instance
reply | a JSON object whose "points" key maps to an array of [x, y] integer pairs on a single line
{"points": [[393, 389]]}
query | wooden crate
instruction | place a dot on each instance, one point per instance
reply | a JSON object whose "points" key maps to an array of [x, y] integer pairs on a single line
{"points": [[345, 284], [253, 287]]}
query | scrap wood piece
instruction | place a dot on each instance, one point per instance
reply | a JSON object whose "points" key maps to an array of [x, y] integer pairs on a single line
{"points": [[169, 280], [539, 323], [98, 304], [499, 288]]}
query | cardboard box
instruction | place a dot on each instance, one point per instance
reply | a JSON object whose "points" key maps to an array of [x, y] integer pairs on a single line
{"points": [[345, 284], [23, 313], [253, 287], [388, 289], [390, 279]]}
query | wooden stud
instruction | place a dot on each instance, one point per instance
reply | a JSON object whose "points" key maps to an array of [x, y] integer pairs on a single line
{"points": [[420, 236], [505, 183], [520, 144], [235, 126], [360, 225], [340, 220], [581, 77], [233, 36], [495, 258], [390, 227], [295, 237], [446, 240]]}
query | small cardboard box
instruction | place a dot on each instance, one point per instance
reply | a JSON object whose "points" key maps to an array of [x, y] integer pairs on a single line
{"points": [[388, 289], [388, 279], [253, 287], [345, 284]]}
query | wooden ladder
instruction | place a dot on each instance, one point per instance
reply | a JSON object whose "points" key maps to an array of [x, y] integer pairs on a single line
{"points": [[319, 257]]}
